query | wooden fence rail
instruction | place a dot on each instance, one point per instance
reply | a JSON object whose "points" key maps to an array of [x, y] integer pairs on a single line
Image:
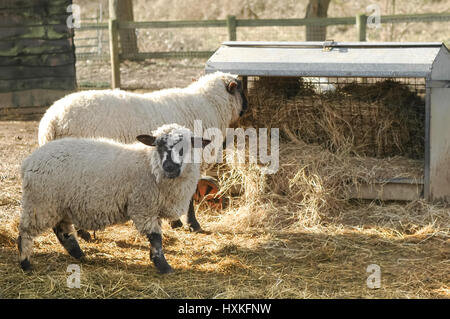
{"points": [[232, 24]]}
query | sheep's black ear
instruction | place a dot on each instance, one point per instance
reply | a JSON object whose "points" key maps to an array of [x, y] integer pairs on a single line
{"points": [[231, 87], [205, 142], [202, 140], [147, 140]]}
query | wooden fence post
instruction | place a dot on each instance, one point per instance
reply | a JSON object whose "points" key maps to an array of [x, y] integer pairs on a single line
{"points": [[231, 24], [114, 44], [361, 25], [114, 51]]}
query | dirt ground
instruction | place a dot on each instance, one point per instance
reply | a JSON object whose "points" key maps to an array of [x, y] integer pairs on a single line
{"points": [[227, 262]]}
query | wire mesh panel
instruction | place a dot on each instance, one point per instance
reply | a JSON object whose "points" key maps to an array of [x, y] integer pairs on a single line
{"points": [[377, 117], [342, 32], [93, 65], [92, 41], [92, 50], [271, 34], [410, 31], [180, 39]]}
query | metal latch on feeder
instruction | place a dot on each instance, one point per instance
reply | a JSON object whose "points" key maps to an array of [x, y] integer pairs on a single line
{"points": [[328, 45]]}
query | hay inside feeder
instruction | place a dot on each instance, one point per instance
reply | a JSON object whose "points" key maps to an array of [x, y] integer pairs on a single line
{"points": [[380, 119]]}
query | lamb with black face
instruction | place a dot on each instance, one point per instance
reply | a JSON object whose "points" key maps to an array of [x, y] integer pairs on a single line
{"points": [[173, 149]]}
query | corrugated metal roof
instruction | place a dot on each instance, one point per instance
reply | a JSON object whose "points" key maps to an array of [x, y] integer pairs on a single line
{"points": [[350, 59]]}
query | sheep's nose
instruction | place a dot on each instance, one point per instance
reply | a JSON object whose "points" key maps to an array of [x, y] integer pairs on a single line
{"points": [[170, 166], [171, 169]]}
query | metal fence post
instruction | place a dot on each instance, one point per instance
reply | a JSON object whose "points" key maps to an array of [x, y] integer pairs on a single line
{"points": [[231, 24], [361, 25]]}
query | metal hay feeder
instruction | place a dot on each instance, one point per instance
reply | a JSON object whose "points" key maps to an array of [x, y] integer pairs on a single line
{"points": [[426, 66]]}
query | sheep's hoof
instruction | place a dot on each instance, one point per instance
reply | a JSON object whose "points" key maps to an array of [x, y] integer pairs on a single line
{"points": [[161, 264], [195, 227], [165, 269], [84, 235], [176, 223], [77, 254], [73, 248], [26, 265]]}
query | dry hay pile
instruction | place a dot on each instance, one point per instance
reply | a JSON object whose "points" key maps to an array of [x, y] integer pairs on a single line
{"points": [[312, 185], [329, 144]]}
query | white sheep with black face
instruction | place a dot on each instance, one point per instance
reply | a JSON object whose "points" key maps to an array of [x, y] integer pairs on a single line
{"points": [[217, 99], [94, 183]]}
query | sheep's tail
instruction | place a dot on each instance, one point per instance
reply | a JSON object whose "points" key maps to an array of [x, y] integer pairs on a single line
{"points": [[47, 129]]}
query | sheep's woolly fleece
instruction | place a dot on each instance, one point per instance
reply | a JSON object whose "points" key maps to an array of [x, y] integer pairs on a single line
{"points": [[96, 183], [122, 116]]}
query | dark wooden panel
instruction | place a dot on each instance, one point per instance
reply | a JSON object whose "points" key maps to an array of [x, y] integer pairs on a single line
{"points": [[9, 4], [36, 51], [30, 72], [34, 46], [29, 98], [23, 4], [23, 18], [51, 32], [52, 59], [57, 83]]}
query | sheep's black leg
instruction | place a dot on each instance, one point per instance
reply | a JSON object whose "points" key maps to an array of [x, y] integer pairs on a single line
{"points": [[25, 265], [68, 240], [191, 220], [157, 254], [24, 256]]}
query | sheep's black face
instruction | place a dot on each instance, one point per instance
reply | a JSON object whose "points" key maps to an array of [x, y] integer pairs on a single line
{"points": [[235, 87], [171, 150], [240, 89]]}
